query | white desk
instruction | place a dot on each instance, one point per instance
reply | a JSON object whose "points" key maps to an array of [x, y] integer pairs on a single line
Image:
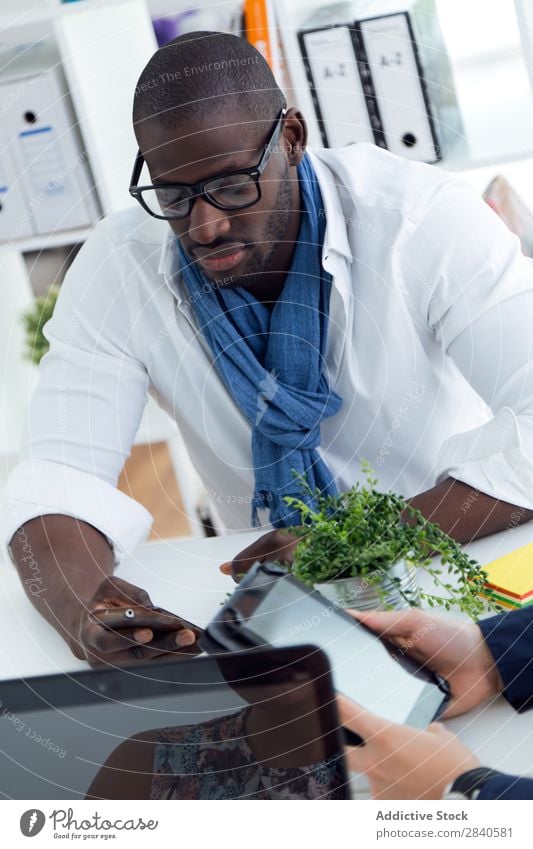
{"points": [[182, 575]]}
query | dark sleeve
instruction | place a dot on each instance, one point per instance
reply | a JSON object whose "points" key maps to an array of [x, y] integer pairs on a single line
{"points": [[507, 787], [510, 640]]}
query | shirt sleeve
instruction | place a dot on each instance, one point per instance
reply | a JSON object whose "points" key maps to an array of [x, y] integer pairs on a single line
{"points": [[474, 293], [507, 787], [509, 637], [85, 412]]}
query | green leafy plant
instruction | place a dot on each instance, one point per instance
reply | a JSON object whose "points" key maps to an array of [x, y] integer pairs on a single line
{"points": [[364, 532], [34, 320]]}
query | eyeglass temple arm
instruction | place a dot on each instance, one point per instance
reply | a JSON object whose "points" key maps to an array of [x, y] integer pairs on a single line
{"points": [[139, 159], [137, 168]]}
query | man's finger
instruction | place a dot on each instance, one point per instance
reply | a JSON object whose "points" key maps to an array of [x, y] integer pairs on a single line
{"points": [[116, 591], [113, 618], [102, 640], [175, 645], [97, 638], [274, 545], [174, 641]]}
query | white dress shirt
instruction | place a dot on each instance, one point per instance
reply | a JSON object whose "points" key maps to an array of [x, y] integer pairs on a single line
{"points": [[429, 346]]}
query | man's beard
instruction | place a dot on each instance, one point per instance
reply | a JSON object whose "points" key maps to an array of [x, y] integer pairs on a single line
{"points": [[276, 231]]}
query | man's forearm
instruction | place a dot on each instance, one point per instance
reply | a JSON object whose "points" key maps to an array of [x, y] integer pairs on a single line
{"points": [[465, 513], [61, 561]]}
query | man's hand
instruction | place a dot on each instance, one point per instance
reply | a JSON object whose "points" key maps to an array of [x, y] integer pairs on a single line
{"points": [[402, 762], [276, 545], [453, 649], [99, 645]]}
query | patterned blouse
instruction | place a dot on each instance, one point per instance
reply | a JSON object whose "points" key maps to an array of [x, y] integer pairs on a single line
{"points": [[213, 760]]}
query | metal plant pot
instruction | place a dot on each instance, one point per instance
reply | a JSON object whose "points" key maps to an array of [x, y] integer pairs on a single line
{"points": [[359, 594]]}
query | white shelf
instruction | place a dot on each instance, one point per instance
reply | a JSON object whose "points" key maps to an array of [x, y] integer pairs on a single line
{"points": [[495, 159], [496, 102], [38, 23], [494, 91], [162, 8], [34, 24], [40, 11], [43, 242]]}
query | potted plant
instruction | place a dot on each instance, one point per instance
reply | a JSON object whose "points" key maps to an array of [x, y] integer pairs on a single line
{"points": [[363, 548], [34, 320]]}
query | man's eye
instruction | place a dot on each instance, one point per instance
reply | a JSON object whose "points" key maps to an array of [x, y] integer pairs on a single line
{"points": [[171, 199], [236, 186], [236, 189]]}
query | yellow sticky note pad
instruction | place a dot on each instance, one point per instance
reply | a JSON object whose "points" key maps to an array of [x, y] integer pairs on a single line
{"points": [[513, 573]]}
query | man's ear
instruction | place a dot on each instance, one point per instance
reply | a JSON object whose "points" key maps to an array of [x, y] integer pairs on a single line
{"points": [[295, 135]]}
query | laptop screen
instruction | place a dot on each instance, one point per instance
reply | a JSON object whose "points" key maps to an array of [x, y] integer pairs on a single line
{"points": [[257, 725]]}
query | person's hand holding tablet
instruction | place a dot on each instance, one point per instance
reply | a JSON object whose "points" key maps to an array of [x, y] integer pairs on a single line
{"points": [[272, 607], [455, 650], [402, 762]]}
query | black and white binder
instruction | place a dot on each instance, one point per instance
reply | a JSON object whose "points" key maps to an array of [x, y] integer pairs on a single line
{"points": [[391, 55], [342, 88], [383, 77]]}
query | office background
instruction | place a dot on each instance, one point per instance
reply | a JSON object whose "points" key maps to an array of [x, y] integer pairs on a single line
{"points": [[67, 146]]}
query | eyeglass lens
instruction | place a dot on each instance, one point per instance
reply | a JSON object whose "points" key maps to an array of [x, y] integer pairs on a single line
{"points": [[231, 192]]}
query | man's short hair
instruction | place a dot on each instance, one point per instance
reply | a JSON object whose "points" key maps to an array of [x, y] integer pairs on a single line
{"points": [[205, 74]]}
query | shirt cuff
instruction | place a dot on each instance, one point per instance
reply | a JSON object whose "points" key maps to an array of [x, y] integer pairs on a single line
{"points": [[39, 487], [490, 459]]}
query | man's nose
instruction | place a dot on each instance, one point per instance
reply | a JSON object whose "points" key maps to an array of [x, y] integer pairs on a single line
{"points": [[207, 223]]}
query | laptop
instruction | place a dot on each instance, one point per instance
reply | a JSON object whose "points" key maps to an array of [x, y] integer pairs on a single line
{"points": [[257, 724]]}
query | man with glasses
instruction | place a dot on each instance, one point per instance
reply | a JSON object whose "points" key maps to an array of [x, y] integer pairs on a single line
{"points": [[230, 191], [294, 311]]}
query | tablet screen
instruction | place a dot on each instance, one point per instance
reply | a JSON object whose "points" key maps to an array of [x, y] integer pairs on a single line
{"points": [[262, 727], [363, 668]]}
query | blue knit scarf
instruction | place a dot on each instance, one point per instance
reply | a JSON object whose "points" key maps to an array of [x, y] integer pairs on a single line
{"points": [[273, 363]]}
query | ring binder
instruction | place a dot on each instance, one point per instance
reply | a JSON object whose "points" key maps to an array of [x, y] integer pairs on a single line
{"points": [[341, 88], [382, 77], [43, 149], [389, 46]]}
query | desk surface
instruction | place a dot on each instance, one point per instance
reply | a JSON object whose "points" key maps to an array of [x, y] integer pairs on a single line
{"points": [[182, 575]]}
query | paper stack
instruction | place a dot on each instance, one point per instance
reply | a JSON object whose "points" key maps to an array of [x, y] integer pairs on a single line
{"points": [[510, 578]]}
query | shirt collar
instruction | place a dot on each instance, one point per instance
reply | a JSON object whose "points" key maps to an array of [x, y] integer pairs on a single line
{"points": [[335, 237], [169, 267]]}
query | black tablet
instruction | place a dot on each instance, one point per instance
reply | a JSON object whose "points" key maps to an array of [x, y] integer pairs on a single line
{"points": [[254, 725], [272, 608]]}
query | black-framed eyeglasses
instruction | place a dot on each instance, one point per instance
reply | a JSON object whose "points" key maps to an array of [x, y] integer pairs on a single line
{"points": [[232, 190]]}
